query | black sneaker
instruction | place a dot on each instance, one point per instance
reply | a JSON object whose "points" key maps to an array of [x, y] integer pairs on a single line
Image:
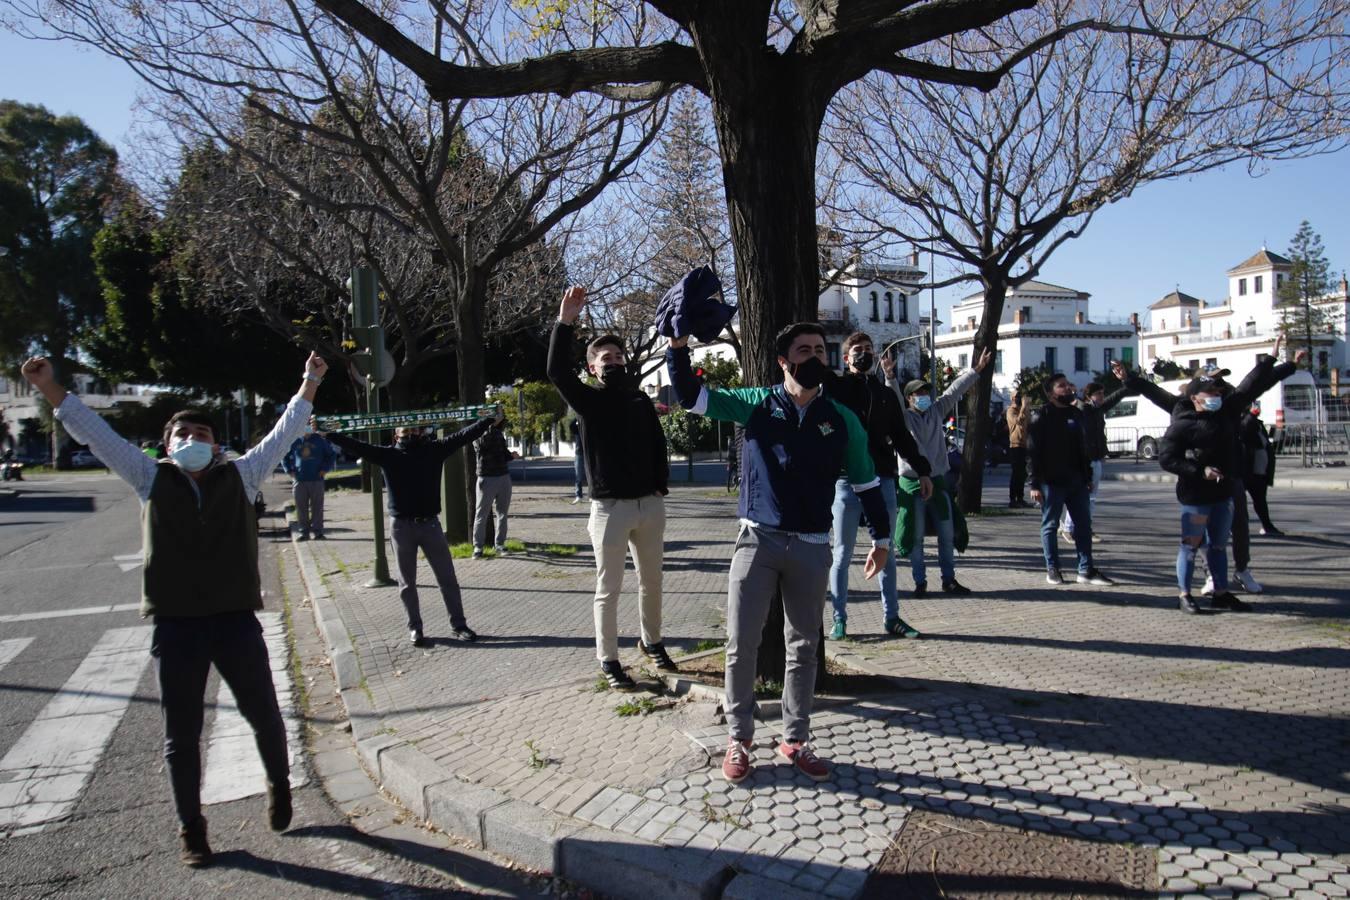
{"points": [[920, 588], [614, 674], [416, 638], [955, 587], [1052, 576], [279, 805], [195, 852], [465, 634], [1093, 576], [1186, 604], [1227, 601], [657, 654]]}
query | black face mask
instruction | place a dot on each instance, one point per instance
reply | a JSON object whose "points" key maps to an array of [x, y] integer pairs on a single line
{"points": [[411, 440], [614, 375], [809, 374], [862, 363]]}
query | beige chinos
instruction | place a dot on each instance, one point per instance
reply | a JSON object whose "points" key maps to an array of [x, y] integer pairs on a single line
{"points": [[616, 527]]}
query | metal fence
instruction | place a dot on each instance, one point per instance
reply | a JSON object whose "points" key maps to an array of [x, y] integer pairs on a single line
{"points": [[1315, 445]]}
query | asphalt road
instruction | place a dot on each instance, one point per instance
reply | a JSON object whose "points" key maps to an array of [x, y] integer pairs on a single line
{"points": [[71, 544]]}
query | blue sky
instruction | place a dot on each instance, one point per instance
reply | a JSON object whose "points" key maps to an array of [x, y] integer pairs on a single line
{"points": [[1178, 233]]}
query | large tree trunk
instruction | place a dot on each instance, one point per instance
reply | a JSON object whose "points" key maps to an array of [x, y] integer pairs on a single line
{"points": [[979, 427], [469, 362], [767, 136]]}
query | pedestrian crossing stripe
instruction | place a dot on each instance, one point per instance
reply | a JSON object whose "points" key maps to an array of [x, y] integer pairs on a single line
{"points": [[44, 773], [234, 770]]}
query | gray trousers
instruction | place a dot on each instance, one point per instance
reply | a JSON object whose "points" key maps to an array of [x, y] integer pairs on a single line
{"points": [[764, 563], [309, 505], [409, 536], [493, 490]]}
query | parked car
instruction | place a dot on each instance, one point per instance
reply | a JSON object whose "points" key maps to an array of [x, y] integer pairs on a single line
{"points": [[83, 459]]}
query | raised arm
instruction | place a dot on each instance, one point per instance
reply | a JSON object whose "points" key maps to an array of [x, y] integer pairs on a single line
{"points": [[561, 368], [469, 433], [88, 427], [258, 462], [958, 388], [715, 403]]}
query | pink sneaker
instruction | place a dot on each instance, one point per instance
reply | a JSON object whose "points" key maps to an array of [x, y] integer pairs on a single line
{"points": [[805, 760], [736, 764]]}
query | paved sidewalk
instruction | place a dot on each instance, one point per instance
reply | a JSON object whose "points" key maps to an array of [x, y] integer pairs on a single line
{"points": [[1215, 745]]}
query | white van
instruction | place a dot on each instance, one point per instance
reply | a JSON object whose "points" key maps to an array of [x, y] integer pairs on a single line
{"points": [[1136, 425]]}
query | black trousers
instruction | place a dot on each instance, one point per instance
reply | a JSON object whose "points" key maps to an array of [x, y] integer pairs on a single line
{"points": [[1257, 487], [1017, 458], [1242, 536], [184, 649]]}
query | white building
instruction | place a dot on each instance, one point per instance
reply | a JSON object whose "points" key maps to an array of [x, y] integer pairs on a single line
{"points": [[1231, 334], [1042, 325], [881, 300], [18, 400]]}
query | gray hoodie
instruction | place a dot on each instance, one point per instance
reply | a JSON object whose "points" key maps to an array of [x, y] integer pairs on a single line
{"points": [[927, 426]]}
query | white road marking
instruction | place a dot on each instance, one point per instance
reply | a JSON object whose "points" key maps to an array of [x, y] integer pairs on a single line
{"points": [[43, 774], [63, 613], [12, 648], [128, 561], [233, 768]]}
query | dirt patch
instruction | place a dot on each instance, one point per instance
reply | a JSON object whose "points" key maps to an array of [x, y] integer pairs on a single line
{"points": [[941, 856], [839, 680]]}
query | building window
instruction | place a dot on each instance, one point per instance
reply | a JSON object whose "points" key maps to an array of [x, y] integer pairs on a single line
{"points": [[998, 362], [1026, 314], [1323, 364], [832, 350], [903, 302], [1256, 284], [1242, 287], [1080, 359], [1127, 354], [1194, 365], [1152, 351], [1279, 280], [1108, 357], [1051, 359], [890, 308], [963, 361], [876, 316], [1212, 361]]}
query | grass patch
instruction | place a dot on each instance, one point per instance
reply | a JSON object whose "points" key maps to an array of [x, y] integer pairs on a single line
{"points": [[642, 706], [768, 688], [537, 759], [711, 813], [708, 644], [297, 664], [600, 685], [994, 512], [465, 550]]}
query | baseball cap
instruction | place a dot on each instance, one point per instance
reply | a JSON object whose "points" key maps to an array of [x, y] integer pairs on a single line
{"points": [[1213, 371], [918, 384], [1204, 385]]}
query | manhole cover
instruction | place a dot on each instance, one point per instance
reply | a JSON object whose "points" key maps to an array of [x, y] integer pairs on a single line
{"points": [[941, 856]]}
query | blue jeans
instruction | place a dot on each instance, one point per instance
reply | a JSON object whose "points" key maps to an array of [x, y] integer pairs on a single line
{"points": [[1092, 498], [1075, 496], [945, 540], [847, 511], [1206, 525], [579, 469]]}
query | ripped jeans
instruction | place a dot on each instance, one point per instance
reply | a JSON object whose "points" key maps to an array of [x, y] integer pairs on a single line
{"points": [[1205, 525]]}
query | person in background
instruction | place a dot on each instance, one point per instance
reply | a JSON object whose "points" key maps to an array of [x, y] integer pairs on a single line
{"points": [[1018, 416], [200, 582], [494, 487], [926, 417], [1059, 477], [1095, 404], [306, 462], [578, 459], [882, 417], [412, 469], [1259, 471]]}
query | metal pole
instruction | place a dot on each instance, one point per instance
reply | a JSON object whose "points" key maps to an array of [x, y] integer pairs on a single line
{"points": [[381, 575], [932, 322]]}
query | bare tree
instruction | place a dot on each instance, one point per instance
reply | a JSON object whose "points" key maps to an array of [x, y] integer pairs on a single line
{"points": [[995, 182]]}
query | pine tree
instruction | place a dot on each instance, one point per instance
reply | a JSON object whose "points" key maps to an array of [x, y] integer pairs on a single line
{"points": [[1309, 279]]}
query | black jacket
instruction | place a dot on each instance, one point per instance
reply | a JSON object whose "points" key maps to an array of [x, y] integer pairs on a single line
{"points": [[879, 410], [1263, 376], [1252, 433], [1057, 447], [621, 436], [1195, 441], [413, 474], [493, 456], [1094, 422]]}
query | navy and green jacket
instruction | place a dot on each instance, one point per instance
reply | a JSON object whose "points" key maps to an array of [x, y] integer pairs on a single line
{"points": [[791, 459]]}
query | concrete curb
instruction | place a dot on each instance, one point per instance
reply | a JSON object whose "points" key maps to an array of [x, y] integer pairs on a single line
{"points": [[1330, 484], [7, 494], [615, 864]]}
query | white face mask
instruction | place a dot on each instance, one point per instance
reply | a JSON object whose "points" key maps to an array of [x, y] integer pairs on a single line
{"points": [[191, 456]]}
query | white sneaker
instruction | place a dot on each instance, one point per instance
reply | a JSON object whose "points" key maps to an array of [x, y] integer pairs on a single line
{"points": [[576, 500], [1208, 589], [1068, 536], [1248, 581]]}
